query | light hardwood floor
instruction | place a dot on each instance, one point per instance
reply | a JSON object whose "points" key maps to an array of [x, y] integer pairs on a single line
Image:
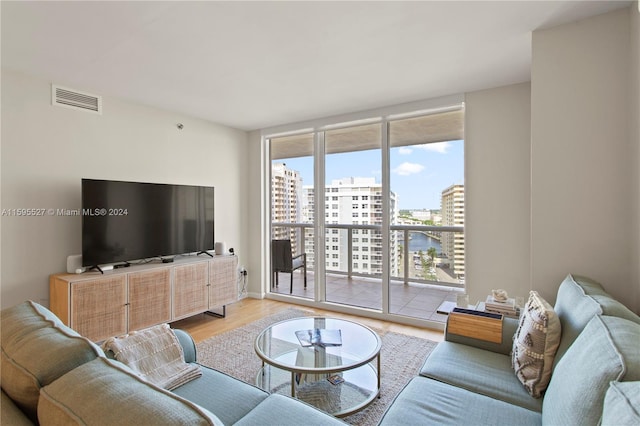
{"points": [[203, 326]]}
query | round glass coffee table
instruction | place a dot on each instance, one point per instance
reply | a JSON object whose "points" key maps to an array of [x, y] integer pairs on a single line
{"points": [[336, 374]]}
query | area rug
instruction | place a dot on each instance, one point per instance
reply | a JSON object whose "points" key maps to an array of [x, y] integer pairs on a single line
{"points": [[401, 358]]}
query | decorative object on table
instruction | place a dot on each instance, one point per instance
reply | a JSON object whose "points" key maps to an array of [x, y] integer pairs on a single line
{"points": [[535, 344], [319, 337], [500, 295], [499, 302], [462, 300]]}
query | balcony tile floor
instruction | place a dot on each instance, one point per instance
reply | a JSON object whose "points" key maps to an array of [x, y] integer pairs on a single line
{"points": [[413, 300]]}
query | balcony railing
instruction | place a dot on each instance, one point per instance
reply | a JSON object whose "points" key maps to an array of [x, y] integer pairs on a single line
{"points": [[409, 264]]}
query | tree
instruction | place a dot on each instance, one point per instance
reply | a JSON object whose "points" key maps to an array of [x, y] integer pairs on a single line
{"points": [[432, 252]]}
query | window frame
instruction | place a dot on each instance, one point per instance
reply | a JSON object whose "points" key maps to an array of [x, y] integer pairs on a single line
{"points": [[318, 127]]}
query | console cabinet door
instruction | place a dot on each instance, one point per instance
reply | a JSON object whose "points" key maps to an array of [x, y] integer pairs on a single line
{"points": [[99, 307], [190, 289], [149, 298], [223, 281]]}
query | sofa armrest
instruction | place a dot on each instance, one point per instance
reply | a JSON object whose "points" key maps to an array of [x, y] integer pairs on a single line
{"points": [[509, 327], [11, 414], [188, 345]]}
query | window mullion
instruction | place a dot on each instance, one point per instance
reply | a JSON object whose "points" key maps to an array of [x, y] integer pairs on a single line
{"points": [[386, 220], [319, 221]]}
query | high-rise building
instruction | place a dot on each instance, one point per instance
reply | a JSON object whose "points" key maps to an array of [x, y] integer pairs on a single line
{"points": [[286, 197], [355, 201], [453, 215]]}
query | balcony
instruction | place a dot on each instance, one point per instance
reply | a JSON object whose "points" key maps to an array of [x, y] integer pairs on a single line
{"points": [[413, 300], [420, 279]]}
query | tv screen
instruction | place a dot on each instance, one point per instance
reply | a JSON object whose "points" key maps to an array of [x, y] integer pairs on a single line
{"points": [[124, 221]]}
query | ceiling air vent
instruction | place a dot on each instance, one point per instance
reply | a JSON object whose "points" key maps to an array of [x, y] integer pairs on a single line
{"points": [[70, 98]]}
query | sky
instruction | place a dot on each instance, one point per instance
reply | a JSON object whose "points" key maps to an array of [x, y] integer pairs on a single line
{"points": [[419, 173]]}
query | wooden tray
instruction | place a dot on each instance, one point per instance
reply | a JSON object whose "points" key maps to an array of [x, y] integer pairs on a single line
{"points": [[480, 325]]}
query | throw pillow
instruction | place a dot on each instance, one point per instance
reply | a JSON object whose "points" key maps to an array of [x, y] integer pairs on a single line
{"points": [[37, 349], [535, 344]]}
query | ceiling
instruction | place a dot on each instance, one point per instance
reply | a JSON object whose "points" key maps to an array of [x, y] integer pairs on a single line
{"points": [[253, 65]]}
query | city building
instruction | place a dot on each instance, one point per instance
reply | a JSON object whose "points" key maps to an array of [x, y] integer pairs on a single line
{"points": [[286, 196], [426, 214], [353, 201], [453, 215]]}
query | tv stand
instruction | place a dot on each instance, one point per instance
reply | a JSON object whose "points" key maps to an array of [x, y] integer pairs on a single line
{"points": [[216, 314], [204, 252], [116, 302]]}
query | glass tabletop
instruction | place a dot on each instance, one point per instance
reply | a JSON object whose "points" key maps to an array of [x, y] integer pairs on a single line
{"points": [[279, 345]]}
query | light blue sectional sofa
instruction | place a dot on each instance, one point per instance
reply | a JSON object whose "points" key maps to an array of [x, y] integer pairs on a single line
{"points": [[595, 380], [52, 376]]}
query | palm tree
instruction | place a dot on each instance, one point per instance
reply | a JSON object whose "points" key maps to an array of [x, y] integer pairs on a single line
{"points": [[432, 252]]}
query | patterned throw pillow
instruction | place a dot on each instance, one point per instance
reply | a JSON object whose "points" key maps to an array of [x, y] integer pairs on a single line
{"points": [[535, 344]]}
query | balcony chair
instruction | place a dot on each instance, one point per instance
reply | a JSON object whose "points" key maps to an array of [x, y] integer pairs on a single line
{"points": [[282, 260]]}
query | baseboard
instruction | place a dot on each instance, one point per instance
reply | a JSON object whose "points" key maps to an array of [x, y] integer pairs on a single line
{"points": [[253, 295]]}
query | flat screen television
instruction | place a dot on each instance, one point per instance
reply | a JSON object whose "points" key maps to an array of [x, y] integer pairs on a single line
{"points": [[124, 221]]}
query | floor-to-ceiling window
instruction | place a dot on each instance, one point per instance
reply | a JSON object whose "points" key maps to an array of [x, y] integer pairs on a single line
{"points": [[427, 181], [353, 215], [292, 205], [377, 204]]}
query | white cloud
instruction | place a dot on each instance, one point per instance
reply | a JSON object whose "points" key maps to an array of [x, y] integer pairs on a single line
{"points": [[440, 147], [404, 150], [406, 169]]}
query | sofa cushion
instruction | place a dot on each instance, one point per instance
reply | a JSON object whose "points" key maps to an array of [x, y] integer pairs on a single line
{"points": [[607, 350], [478, 371], [232, 400], [579, 299], [37, 349], [282, 410], [535, 344], [622, 404], [103, 392], [428, 402]]}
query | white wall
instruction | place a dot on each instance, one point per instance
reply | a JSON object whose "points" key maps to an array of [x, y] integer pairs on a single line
{"points": [[497, 191], [257, 230], [582, 180], [46, 150]]}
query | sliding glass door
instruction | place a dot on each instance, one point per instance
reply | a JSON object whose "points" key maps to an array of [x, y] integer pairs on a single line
{"points": [[293, 209], [427, 175], [353, 215]]}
